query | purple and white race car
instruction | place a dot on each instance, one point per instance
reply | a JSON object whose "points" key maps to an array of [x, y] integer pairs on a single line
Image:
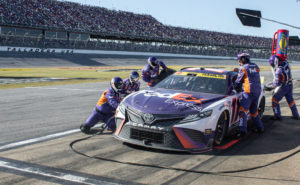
{"points": [[192, 110]]}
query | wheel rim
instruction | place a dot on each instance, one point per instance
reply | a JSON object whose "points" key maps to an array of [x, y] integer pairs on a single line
{"points": [[220, 130], [261, 109]]}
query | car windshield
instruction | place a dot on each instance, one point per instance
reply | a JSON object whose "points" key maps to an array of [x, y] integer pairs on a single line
{"points": [[195, 83]]}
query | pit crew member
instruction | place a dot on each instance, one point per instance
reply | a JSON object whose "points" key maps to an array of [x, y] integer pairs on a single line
{"points": [[283, 87], [105, 107], [249, 77], [150, 72], [132, 83]]}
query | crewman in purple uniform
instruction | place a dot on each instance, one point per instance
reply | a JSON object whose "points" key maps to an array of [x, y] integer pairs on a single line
{"points": [[105, 108], [249, 77], [132, 83], [150, 71], [283, 87]]}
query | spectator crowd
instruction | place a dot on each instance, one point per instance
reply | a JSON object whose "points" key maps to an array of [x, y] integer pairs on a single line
{"points": [[74, 17]]}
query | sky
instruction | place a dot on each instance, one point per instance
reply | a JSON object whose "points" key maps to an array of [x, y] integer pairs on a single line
{"points": [[212, 15]]}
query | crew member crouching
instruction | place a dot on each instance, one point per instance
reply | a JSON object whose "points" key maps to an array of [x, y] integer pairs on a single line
{"points": [[105, 108], [132, 83]]}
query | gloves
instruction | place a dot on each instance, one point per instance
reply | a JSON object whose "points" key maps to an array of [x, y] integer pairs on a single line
{"points": [[151, 83], [268, 87], [122, 96]]}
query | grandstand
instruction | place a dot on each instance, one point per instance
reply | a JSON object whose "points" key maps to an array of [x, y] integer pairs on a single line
{"points": [[61, 24]]}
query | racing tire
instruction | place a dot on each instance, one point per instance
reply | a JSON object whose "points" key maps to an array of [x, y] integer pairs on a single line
{"points": [[261, 107], [164, 74], [221, 129]]}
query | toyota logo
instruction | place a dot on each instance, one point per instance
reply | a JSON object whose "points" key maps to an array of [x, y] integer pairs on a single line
{"points": [[148, 118]]}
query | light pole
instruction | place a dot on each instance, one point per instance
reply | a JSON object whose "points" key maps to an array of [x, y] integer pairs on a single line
{"points": [[24, 37], [7, 35]]}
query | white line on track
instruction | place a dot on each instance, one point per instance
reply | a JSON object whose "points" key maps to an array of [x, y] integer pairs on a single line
{"points": [[52, 173], [55, 88], [39, 139]]}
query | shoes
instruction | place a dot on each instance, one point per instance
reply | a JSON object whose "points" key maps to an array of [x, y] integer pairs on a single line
{"points": [[258, 130], [85, 129], [113, 129], [296, 118], [241, 135], [275, 118]]}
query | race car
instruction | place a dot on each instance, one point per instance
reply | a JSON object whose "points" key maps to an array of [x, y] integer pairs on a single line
{"points": [[192, 110]]}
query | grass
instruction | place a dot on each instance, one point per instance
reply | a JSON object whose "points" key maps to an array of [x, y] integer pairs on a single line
{"points": [[99, 74], [84, 72]]}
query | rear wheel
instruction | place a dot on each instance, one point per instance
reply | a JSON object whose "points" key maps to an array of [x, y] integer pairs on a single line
{"points": [[261, 107], [221, 128]]}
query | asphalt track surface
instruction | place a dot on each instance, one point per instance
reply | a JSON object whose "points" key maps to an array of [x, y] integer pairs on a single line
{"points": [[38, 124], [16, 59]]}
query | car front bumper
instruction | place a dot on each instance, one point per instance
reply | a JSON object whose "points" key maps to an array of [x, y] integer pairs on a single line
{"points": [[168, 137]]}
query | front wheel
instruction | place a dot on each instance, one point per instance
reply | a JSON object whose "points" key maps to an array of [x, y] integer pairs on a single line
{"points": [[221, 129]]}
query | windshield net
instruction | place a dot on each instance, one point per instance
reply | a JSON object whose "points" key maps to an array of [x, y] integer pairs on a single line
{"points": [[195, 84]]}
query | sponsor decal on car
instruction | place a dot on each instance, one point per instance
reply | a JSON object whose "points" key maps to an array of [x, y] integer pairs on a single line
{"points": [[207, 131], [152, 127], [148, 118], [157, 94], [178, 99], [187, 97], [185, 104], [206, 75]]}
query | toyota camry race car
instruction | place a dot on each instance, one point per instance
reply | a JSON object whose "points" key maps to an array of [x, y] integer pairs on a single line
{"points": [[192, 110]]}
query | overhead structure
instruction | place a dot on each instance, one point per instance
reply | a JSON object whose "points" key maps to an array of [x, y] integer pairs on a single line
{"points": [[253, 17], [245, 15], [249, 17]]}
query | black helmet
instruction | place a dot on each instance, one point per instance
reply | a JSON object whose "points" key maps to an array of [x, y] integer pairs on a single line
{"points": [[244, 57], [134, 76], [274, 60], [117, 84], [152, 61]]}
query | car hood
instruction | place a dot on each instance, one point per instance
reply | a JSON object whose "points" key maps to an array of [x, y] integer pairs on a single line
{"points": [[165, 101]]}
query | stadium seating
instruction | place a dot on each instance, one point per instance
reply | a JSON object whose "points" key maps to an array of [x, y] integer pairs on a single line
{"points": [[76, 18]]}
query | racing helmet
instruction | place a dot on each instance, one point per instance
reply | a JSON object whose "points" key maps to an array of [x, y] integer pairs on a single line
{"points": [[274, 60], [244, 57], [152, 61], [134, 76], [116, 84]]}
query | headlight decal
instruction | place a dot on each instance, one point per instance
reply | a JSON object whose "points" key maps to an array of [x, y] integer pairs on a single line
{"points": [[122, 108], [198, 116]]}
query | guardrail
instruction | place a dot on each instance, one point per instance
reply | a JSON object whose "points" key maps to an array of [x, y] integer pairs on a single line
{"points": [[105, 52]]}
